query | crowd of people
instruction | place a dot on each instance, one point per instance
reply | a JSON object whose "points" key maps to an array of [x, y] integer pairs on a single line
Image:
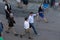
{"points": [[29, 21]]}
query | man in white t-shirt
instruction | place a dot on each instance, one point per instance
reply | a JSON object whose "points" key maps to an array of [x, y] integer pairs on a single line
{"points": [[27, 29], [31, 22]]}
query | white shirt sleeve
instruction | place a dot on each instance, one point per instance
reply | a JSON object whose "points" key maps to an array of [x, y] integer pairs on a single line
{"points": [[5, 7], [34, 14]]}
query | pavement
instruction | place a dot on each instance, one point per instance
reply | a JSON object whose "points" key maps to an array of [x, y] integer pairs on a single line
{"points": [[47, 31]]}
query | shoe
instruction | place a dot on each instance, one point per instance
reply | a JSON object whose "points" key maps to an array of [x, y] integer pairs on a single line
{"points": [[30, 38], [7, 32], [38, 34], [21, 36], [16, 34]]}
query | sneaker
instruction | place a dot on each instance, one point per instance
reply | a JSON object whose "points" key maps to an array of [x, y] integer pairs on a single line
{"points": [[7, 32], [21, 36], [16, 34], [30, 38], [38, 34]]}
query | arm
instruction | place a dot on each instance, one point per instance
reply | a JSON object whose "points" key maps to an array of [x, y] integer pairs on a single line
{"points": [[6, 9]]}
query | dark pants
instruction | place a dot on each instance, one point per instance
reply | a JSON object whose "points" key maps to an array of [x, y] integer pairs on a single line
{"points": [[7, 15], [32, 25]]}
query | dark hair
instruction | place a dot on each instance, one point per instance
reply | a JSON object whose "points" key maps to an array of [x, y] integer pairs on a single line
{"points": [[31, 12], [26, 18], [40, 9]]}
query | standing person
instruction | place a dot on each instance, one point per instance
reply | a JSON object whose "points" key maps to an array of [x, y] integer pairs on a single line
{"points": [[31, 22], [25, 2], [11, 23], [41, 14], [1, 29], [27, 29], [7, 10], [52, 3]]}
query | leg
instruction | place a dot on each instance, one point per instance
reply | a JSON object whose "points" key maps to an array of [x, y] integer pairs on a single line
{"points": [[13, 29], [28, 33], [34, 29], [45, 20], [8, 29]]}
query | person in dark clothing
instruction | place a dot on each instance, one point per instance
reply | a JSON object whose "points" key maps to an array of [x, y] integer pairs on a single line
{"points": [[25, 2], [11, 23], [41, 14], [7, 10], [52, 3]]}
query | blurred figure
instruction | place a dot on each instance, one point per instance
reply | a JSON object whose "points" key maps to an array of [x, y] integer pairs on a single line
{"points": [[1, 30], [41, 14], [19, 3], [52, 3], [7, 10], [56, 5], [27, 29], [11, 23], [31, 22], [25, 4]]}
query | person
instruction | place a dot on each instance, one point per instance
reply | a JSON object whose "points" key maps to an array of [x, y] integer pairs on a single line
{"points": [[27, 29], [19, 3], [7, 10], [11, 23], [25, 2], [56, 5], [52, 3], [41, 14], [1, 28], [31, 22]]}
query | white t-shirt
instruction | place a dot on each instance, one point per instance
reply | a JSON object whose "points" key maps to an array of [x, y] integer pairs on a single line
{"points": [[5, 7], [31, 18], [26, 25], [18, 0]]}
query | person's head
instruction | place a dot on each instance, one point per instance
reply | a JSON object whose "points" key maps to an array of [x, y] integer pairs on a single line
{"points": [[26, 18], [31, 13]]}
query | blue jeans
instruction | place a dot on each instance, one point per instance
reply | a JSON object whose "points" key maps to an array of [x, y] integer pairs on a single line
{"points": [[32, 25]]}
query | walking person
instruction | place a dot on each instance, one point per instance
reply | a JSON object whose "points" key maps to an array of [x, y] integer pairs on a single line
{"points": [[31, 22], [11, 23], [41, 14], [27, 29], [1, 30], [7, 10]]}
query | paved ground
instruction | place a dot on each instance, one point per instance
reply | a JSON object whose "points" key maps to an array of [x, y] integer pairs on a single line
{"points": [[47, 31]]}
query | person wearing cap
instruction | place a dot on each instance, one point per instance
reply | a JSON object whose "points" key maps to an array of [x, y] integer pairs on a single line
{"points": [[11, 23]]}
